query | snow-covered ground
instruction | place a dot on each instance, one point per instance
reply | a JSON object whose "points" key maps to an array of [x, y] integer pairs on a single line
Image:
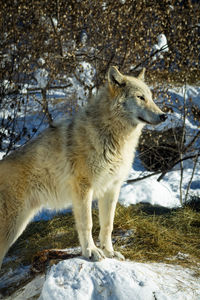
{"points": [[114, 280], [110, 279]]}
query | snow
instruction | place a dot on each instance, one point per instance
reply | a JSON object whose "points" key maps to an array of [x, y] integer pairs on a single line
{"points": [[111, 279], [31, 290], [190, 91], [13, 277], [55, 22], [162, 42], [83, 37], [85, 73], [161, 46], [148, 191], [165, 193], [41, 61], [41, 75]]}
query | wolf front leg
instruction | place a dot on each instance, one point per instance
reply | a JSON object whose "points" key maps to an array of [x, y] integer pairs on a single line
{"points": [[107, 205], [82, 206]]}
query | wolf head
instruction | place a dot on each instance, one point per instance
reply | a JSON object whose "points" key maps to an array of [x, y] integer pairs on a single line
{"points": [[134, 97]]}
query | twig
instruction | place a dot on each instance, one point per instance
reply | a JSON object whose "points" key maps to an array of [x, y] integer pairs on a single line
{"points": [[164, 173], [141, 178], [57, 36], [191, 178], [181, 182], [150, 56], [45, 106], [192, 142], [181, 146], [176, 163], [50, 88]]}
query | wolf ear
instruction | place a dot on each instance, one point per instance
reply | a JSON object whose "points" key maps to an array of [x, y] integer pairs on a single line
{"points": [[115, 78], [141, 75]]}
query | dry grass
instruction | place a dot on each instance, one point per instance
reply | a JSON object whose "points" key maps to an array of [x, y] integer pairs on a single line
{"points": [[154, 234], [142, 233], [161, 235], [58, 232]]}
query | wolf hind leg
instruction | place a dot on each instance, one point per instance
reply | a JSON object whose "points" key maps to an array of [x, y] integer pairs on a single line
{"points": [[12, 229], [107, 205], [3, 250], [5, 240]]}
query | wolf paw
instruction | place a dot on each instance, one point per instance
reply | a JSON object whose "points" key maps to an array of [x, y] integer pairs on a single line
{"points": [[94, 253], [113, 254]]}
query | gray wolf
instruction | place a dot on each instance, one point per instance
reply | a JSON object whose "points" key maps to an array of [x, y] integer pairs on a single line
{"points": [[76, 161]]}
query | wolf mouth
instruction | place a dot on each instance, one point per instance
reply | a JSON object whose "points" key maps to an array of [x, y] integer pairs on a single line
{"points": [[144, 121]]}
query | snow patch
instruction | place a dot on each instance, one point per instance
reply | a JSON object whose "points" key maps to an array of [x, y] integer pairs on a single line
{"points": [[161, 46], [112, 280], [148, 191], [41, 75]]}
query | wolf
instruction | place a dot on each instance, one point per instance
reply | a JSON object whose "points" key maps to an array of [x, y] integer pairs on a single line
{"points": [[75, 161]]}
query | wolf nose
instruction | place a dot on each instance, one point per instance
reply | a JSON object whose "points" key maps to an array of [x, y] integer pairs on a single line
{"points": [[163, 117]]}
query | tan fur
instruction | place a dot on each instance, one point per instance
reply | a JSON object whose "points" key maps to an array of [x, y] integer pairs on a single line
{"points": [[77, 161]]}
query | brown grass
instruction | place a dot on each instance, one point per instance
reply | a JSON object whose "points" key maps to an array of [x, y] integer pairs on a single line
{"points": [[162, 236], [154, 234]]}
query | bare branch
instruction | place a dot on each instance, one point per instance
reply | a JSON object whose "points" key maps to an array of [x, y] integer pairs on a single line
{"points": [[142, 178], [191, 178], [57, 35], [57, 87]]}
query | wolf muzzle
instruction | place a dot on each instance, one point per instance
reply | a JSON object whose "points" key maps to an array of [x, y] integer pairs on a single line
{"points": [[163, 117]]}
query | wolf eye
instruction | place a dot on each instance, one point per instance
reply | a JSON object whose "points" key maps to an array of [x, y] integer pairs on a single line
{"points": [[141, 98]]}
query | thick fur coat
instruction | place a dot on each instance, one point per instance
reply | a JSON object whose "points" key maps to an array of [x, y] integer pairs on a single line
{"points": [[76, 161]]}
